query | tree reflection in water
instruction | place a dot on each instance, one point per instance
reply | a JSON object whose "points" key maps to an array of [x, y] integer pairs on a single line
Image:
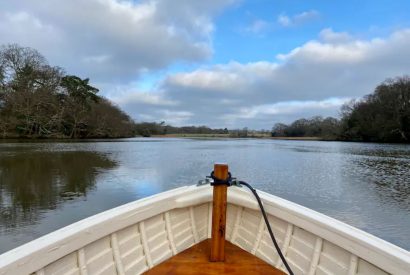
{"points": [[34, 181]]}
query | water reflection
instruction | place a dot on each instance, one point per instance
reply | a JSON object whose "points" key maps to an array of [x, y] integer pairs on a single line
{"points": [[36, 180], [365, 185]]}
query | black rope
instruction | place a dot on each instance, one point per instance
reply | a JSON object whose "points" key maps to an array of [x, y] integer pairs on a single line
{"points": [[218, 181], [229, 182], [265, 217]]}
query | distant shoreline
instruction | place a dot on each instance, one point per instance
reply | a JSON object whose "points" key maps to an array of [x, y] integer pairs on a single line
{"points": [[204, 136], [182, 136], [229, 137]]}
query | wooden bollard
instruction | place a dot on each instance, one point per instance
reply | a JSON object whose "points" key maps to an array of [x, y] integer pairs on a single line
{"points": [[219, 215]]}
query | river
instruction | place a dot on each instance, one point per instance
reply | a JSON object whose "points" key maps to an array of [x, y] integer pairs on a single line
{"points": [[47, 185]]}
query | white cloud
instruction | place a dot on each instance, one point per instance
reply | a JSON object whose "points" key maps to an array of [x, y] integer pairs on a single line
{"points": [[313, 79], [291, 107], [146, 98], [97, 59], [258, 26], [318, 52], [297, 19], [112, 40], [284, 20], [305, 16], [177, 118], [332, 37], [226, 78], [284, 111]]}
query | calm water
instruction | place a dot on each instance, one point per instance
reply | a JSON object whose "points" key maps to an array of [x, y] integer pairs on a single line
{"points": [[365, 185]]}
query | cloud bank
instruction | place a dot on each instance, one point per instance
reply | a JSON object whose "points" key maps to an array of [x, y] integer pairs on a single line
{"points": [[115, 42], [297, 19], [111, 40], [313, 79]]}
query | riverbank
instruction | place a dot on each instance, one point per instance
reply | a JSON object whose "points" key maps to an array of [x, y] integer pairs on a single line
{"points": [[192, 136], [261, 136], [199, 136]]}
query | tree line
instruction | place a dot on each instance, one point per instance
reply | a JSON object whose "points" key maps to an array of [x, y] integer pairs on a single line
{"points": [[38, 100], [383, 116], [326, 128], [147, 129]]}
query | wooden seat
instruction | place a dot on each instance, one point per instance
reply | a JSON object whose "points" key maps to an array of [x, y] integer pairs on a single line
{"points": [[195, 260]]}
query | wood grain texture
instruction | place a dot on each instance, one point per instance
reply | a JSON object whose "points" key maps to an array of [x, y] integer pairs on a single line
{"points": [[195, 261], [217, 252]]}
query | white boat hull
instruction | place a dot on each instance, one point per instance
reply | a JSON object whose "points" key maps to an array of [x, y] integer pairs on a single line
{"points": [[135, 237]]}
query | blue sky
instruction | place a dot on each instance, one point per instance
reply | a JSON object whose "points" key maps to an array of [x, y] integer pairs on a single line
{"points": [[363, 19], [225, 63]]}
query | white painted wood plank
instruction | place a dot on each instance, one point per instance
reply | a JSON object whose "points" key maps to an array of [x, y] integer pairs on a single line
{"points": [[316, 256], [259, 235], [170, 233], [117, 256], [209, 220], [353, 264], [236, 225], [82, 265], [193, 225], [145, 244], [286, 242]]}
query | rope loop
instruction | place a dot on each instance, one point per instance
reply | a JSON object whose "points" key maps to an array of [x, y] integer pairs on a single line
{"points": [[218, 181]]}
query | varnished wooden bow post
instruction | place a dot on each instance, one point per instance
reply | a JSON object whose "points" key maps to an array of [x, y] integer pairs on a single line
{"points": [[219, 215]]}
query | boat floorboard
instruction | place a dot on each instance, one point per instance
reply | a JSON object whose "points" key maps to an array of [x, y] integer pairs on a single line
{"points": [[195, 260]]}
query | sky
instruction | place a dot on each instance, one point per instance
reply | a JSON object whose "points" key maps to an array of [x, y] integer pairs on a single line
{"points": [[220, 63]]}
